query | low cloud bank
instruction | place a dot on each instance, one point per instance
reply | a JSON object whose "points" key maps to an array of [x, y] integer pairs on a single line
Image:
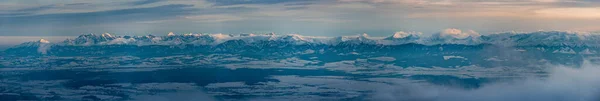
{"points": [[563, 84]]}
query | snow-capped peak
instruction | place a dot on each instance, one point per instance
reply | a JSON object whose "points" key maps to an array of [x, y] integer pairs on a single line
{"points": [[220, 36], [458, 34], [365, 35], [292, 37], [403, 34], [402, 38], [448, 36], [43, 41], [42, 45], [107, 35], [357, 39], [251, 34], [171, 34]]}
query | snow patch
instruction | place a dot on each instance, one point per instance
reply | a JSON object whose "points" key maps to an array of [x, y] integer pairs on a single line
{"points": [[565, 50], [387, 59], [308, 51], [454, 57], [588, 51], [494, 59]]}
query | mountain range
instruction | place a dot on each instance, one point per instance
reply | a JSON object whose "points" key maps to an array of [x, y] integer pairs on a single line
{"points": [[446, 49]]}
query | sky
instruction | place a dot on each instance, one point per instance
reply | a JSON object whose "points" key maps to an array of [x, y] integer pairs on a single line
{"points": [[305, 17]]}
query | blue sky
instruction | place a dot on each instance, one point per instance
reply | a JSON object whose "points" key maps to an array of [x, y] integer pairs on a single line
{"points": [[306, 17]]}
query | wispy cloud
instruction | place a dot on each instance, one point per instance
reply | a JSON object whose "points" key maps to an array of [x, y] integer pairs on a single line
{"points": [[128, 15], [239, 2], [574, 13], [143, 2], [213, 18], [373, 15]]}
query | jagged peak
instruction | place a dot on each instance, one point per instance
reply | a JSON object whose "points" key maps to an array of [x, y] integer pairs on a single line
{"points": [[294, 37], [457, 34], [449, 36], [190, 34], [548, 35], [365, 35], [87, 35], [104, 35], [107, 35], [43, 41], [220, 36], [402, 34], [250, 34], [171, 34], [556, 32]]}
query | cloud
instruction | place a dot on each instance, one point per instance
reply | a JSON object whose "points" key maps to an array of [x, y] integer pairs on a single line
{"points": [[562, 84], [112, 16], [143, 2], [557, 83], [213, 18], [34, 9], [67, 6], [240, 2], [26, 11], [299, 4], [576, 13], [587, 28], [374, 16], [321, 20], [176, 96], [545, 1]]}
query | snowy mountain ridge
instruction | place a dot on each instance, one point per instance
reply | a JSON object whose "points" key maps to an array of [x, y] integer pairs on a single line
{"points": [[449, 36], [407, 48]]}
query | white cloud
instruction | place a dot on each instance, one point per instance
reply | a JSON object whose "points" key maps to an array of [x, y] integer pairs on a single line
{"points": [[573, 13], [586, 28], [71, 6], [563, 84], [410, 2], [352, 6], [322, 20], [548, 1], [213, 18], [337, 16]]}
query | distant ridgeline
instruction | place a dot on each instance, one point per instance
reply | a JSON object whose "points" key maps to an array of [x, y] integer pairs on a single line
{"points": [[406, 49]]}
